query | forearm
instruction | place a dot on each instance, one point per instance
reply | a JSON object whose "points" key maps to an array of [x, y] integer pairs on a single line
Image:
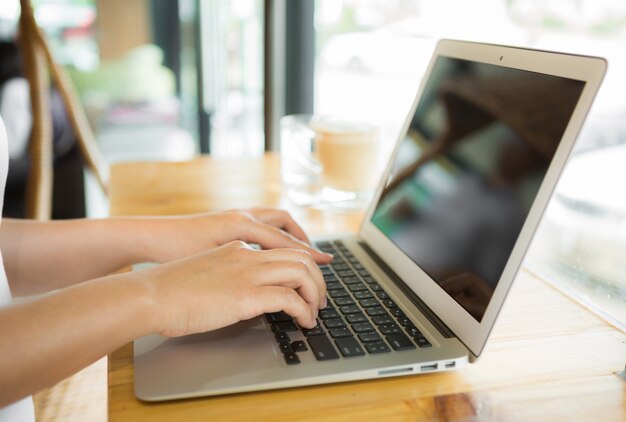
{"points": [[48, 339], [43, 256]]}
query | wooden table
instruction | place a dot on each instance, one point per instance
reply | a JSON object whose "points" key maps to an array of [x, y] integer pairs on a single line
{"points": [[548, 359]]}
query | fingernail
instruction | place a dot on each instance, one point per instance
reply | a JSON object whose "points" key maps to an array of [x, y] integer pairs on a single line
{"points": [[327, 254], [325, 302]]}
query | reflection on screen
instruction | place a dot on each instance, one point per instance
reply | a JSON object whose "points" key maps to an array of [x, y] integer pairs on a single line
{"points": [[466, 175]]}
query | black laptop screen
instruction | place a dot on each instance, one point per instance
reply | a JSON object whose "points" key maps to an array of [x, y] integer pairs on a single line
{"points": [[467, 173]]}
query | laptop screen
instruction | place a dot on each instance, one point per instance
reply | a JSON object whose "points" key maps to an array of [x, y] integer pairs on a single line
{"points": [[464, 178]]}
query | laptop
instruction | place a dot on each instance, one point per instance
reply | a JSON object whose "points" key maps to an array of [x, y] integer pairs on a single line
{"points": [[419, 288]]}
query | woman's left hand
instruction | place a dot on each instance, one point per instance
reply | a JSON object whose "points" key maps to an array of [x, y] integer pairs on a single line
{"points": [[173, 238]]}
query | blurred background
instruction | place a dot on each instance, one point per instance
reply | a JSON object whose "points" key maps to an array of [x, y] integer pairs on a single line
{"points": [[169, 79]]}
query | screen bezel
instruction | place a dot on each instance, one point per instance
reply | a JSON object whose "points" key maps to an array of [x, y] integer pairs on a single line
{"points": [[590, 70]]}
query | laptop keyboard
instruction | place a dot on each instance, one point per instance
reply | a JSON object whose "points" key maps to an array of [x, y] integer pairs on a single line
{"points": [[360, 318]]}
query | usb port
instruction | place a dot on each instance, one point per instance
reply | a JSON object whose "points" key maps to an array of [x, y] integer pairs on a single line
{"points": [[425, 368], [450, 365]]}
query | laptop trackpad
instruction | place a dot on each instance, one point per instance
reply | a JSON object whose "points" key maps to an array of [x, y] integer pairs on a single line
{"points": [[228, 357]]}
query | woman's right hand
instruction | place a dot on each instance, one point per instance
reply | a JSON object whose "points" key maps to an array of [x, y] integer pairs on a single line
{"points": [[232, 283]]}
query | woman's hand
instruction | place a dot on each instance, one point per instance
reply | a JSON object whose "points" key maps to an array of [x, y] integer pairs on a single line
{"points": [[173, 238], [232, 283]]}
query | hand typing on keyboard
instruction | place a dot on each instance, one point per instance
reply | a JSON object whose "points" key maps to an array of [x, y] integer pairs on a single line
{"points": [[360, 317], [233, 283], [177, 237]]}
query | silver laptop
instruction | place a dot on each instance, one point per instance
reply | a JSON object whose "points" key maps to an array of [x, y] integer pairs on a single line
{"points": [[419, 288]]}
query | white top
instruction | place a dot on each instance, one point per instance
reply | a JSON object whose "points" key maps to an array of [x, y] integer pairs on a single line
{"points": [[15, 111], [23, 410]]}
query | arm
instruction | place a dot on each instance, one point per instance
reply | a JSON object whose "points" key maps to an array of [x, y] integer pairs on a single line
{"points": [[43, 256], [49, 338]]}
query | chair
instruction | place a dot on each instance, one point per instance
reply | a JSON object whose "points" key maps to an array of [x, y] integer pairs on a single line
{"points": [[38, 61]]}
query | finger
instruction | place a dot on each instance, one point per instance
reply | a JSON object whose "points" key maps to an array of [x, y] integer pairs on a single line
{"points": [[295, 266], [292, 267], [270, 237], [282, 220], [314, 270], [277, 298], [297, 276]]}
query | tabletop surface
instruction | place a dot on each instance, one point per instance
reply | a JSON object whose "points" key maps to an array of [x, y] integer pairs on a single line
{"points": [[549, 358]]}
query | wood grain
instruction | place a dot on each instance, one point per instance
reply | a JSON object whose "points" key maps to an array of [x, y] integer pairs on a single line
{"points": [[548, 358]]}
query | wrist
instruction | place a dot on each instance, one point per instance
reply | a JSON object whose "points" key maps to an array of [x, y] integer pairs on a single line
{"points": [[145, 238], [145, 302]]}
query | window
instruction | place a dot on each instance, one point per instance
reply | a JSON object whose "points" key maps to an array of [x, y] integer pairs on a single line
{"points": [[232, 73], [68, 24], [370, 57]]}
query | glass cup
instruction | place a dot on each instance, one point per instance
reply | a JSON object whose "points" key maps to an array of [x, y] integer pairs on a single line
{"points": [[329, 162]]}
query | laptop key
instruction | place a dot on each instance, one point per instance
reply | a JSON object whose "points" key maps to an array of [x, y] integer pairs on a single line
{"points": [[356, 317], [423, 342], [340, 332], [310, 332], [382, 319], [377, 347], [366, 303], [357, 287], [278, 317], [369, 280], [299, 346], [291, 358], [363, 327], [335, 293], [349, 347], [334, 323], [400, 342], [329, 313], [351, 280], [285, 347], [376, 287], [349, 309], [322, 348], [376, 310], [282, 336], [333, 285], [397, 312], [284, 326], [405, 322], [382, 295], [414, 332], [343, 301], [390, 329], [389, 303], [370, 337], [365, 294]]}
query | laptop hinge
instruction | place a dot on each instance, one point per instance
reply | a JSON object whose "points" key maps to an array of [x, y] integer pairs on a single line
{"points": [[428, 313]]}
